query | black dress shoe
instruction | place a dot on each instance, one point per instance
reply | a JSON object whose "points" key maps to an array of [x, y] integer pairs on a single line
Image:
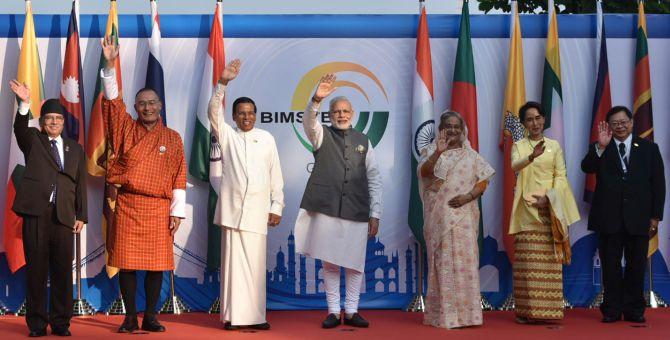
{"points": [[35, 334], [229, 327], [151, 324], [356, 320], [610, 319], [61, 331], [331, 321], [261, 326], [129, 325], [635, 319]]}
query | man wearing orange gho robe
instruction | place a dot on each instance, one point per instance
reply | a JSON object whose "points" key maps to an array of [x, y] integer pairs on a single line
{"points": [[149, 170]]}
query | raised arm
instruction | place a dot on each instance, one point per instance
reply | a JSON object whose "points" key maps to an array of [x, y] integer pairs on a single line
{"points": [[21, 128], [310, 124], [520, 161], [215, 109], [591, 161]]}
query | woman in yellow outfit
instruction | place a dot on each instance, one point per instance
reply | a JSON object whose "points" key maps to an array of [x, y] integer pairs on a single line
{"points": [[543, 208]]}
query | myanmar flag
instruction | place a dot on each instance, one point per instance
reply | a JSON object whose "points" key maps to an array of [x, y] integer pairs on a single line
{"points": [[552, 93], [30, 74], [203, 140]]}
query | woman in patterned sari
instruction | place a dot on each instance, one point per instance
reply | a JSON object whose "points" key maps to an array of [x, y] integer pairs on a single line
{"points": [[542, 210], [452, 176]]}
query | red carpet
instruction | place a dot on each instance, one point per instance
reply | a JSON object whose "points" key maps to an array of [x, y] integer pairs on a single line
{"points": [[391, 324]]}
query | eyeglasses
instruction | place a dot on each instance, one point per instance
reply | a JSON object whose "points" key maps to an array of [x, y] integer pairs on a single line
{"points": [[57, 118], [618, 123], [148, 102]]}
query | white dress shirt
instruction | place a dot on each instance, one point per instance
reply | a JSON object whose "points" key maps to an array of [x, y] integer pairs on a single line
{"points": [[627, 142], [251, 184]]}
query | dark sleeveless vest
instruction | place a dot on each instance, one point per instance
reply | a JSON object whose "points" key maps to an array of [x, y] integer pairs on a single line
{"points": [[338, 185]]}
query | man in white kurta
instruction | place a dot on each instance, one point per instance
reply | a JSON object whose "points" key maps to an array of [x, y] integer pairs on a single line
{"points": [[250, 200], [332, 226]]}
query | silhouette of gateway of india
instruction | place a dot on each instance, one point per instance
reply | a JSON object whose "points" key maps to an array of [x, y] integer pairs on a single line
{"points": [[381, 273]]}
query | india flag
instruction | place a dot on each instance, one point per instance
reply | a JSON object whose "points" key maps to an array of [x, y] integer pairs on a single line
{"points": [[423, 124], [203, 140], [30, 74]]}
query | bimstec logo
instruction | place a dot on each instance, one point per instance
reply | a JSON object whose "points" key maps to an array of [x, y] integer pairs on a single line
{"points": [[371, 122]]}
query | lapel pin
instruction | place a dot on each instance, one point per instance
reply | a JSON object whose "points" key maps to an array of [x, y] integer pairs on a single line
{"points": [[635, 145], [162, 149], [67, 148]]}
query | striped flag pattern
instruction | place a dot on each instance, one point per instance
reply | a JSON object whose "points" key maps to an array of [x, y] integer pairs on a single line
{"points": [[30, 74], [642, 112], [552, 93], [602, 98], [423, 124], [155, 79], [515, 97], [96, 144], [464, 95], [203, 140]]}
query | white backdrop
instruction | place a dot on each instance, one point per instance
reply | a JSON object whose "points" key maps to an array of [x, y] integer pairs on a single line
{"points": [[271, 71]]}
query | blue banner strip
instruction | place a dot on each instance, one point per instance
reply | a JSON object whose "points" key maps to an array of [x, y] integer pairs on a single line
{"points": [[337, 26]]}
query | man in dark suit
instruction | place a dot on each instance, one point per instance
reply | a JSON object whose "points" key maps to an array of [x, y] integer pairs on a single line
{"points": [[626, 208], [51, 198]]}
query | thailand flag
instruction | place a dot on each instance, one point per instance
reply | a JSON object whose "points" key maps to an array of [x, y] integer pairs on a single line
{"points": [[154, 67]]}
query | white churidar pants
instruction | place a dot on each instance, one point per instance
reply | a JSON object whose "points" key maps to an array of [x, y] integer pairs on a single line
{"points": [[331, 280]]}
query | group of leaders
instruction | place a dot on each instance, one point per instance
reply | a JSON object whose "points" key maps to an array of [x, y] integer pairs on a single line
{"points": [[341, 208]]}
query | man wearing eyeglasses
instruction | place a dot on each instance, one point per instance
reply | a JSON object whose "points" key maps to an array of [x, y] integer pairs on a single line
{"points": [[626, 209], [148, 168], [342, 203], [51, 199]]}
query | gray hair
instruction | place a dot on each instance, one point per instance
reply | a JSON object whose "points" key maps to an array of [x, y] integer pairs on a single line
{"points": [[449, 113], [337, 100]]}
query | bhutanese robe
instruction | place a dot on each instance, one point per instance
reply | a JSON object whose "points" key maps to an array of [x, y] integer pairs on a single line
{"points": [[149, 169]]}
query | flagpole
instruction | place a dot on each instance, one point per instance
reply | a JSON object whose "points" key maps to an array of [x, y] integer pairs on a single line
{"points": [[174, 304], [81, 306]]}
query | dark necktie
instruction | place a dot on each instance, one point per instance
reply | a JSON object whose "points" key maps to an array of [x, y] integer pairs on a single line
{"points": [[622, 152], [56, 154]]}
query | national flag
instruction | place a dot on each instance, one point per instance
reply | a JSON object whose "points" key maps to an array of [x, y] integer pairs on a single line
{"points": [[552, 93], [464, 95], [515, 97], [642, 112], [30, 74], [155, 79], [602, 98], [72, 87], [203, 140], [423, 122], [96, 144]]}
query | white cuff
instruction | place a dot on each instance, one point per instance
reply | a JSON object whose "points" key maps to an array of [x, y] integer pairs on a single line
{"points": [[276, 208], [111, 89], [24, 108], [178, 205], [599, 151]]}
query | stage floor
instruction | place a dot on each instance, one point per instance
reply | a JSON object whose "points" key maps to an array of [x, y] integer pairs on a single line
{"points": [[385, 324]]}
